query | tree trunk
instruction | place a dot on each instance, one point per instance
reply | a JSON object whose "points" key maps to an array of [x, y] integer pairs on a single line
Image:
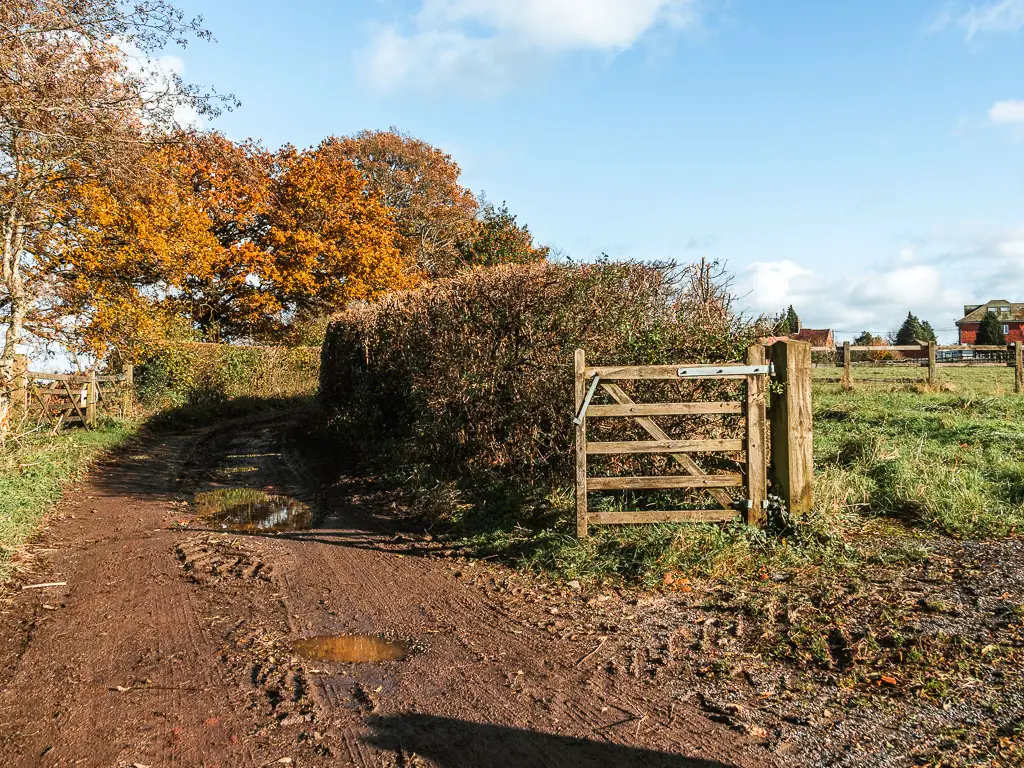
{"points": [[14, 287]]}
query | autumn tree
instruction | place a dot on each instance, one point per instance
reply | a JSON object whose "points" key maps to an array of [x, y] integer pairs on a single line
{"points": [[233, 241], [333, 239], [420, 183], [183, 239], [77, 102], [498, 238]]}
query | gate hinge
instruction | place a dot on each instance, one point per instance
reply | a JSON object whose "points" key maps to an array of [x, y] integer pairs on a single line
{"points": [[749, 503]]}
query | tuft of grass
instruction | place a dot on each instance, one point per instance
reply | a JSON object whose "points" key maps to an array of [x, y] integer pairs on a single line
{"points": [[34, 473]]}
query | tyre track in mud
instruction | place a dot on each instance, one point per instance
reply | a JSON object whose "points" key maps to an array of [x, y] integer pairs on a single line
{"points": [[170, 644]]}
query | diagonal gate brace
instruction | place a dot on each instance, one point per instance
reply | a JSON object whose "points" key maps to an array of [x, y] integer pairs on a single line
{"points": [[586, 401]]}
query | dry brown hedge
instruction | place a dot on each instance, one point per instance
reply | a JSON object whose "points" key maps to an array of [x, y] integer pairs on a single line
{"points": [[475, 372]]}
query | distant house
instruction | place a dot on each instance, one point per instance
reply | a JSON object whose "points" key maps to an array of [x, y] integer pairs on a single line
{"points": [[1010, 315], [816, 337]]}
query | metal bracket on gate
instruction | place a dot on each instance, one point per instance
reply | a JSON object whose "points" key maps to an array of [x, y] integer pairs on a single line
{"points": [[728, 370], [586, 401]]}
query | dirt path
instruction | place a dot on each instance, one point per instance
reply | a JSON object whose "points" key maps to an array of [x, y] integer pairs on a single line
{"points": [[171, 644]]}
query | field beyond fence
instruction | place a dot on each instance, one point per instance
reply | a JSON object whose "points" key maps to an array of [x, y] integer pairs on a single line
{"points": [[896, 364]]}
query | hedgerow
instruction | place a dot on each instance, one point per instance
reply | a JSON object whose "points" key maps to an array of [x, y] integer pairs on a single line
{"points": [[178, 374], [475, 373]]}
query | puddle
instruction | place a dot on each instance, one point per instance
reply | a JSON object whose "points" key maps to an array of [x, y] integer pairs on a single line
{"points": [[351, 648], [247, 509]]}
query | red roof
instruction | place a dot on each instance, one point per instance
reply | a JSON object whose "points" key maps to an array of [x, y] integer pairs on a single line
{"points": [[817, 337]]}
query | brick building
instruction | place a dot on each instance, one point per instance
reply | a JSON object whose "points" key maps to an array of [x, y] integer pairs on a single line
{"points": [[1010, 315]]}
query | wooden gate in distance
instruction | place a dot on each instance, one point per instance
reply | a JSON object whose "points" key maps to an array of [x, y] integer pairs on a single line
{"points": [[754, 481], [69, 398]]}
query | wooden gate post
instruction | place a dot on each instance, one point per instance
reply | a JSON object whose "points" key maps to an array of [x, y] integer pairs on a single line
{"points": [[791, 421], [90, 400], [931, 363], [757, 436], [580, 389], [1018, 367], [128, 405], [847, 366]]}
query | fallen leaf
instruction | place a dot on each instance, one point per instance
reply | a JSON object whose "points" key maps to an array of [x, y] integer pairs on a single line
{"points": [[888, 680]]}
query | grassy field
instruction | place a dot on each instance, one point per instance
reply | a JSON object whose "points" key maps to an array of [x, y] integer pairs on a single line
{"points": [[980, 380], [34, 473]]}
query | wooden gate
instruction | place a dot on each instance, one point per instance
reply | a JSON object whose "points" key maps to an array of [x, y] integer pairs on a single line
{"points": [[752, 482], [69, 398]]}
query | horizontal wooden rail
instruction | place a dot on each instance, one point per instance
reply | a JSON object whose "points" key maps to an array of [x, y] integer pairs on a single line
{"points": [[679, 516], [664, 482], [31, 375], [897, 348], [665, 409], [666, 446], [609, 373], [975, 348]]}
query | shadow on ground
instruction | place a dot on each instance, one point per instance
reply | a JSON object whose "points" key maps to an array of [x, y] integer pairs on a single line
{"points": [[461, 744]]}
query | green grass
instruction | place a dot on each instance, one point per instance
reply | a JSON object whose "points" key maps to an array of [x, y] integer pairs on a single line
{"points": [[34, 473], [949, 461]]}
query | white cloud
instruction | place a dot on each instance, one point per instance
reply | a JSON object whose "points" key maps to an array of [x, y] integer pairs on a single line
{"points": [[483, 44], [991, 17], [772, 285], [1004, 112], [876, 300], [159, 75], [1002, 16]]}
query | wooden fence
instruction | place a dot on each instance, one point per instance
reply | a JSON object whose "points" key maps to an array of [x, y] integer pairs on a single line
{"points": [[70, 398], [931, 355], [781, 374]]}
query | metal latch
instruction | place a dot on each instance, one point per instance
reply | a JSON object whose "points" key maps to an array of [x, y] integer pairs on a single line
{"points": [[726, 370], [586, 401]]}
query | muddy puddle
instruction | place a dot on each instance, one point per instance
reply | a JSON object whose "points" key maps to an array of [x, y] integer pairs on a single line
{"points": [[351, 648], [248, 509]]}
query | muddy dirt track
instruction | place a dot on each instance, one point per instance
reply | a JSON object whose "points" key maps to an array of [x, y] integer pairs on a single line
{"points": [[171, 643]]}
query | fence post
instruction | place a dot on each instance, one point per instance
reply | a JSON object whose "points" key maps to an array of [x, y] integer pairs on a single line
{"points": [[847, 367], [90, 400], [1018, 366], [931, 363], [792, 460], [127, 406], [19, 392], [580, 389], [757, 436]]}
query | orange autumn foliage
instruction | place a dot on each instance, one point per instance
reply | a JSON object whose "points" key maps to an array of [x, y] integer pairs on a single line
{"points": [[435, 214], [229, 238], [332, 241]]}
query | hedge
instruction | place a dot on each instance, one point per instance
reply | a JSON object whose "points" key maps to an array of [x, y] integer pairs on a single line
{"points": [[190, 373], [475, 372]]}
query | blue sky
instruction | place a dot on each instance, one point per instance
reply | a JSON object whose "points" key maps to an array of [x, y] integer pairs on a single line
{"points": [[858, 160]]}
